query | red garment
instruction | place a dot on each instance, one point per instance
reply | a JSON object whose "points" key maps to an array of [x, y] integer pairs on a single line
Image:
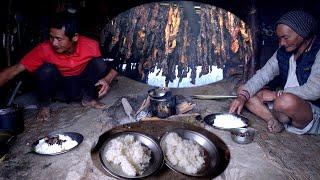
{"points": [[68, 65]]}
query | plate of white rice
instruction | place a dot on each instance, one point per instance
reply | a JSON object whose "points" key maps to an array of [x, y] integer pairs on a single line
{"points": [[189, 152], [226, 121], [131, 155], [57, 143]]}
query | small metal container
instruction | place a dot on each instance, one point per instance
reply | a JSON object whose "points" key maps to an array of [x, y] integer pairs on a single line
{"points": [[162, 102], [243, 135]]}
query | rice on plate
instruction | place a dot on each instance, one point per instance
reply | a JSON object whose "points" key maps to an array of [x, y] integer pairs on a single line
{"points": [[129, 154], [186, 154], [228, 121], [55, 144]]}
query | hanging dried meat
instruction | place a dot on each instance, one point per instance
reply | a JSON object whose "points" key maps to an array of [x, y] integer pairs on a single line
{"points": [[172, 29], [177, 40]]}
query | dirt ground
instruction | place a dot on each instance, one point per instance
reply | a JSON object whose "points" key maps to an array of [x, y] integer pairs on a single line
{"points": [[269, 156]]}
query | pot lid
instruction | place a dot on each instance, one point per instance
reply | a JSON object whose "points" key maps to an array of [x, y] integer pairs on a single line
{"points": [[157, 92]]}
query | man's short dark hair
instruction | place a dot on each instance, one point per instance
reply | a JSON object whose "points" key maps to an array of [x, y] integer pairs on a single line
{"points": [[66, 21]]}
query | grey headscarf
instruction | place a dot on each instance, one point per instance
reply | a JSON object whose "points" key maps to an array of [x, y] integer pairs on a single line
{"points": [[300, 22]]}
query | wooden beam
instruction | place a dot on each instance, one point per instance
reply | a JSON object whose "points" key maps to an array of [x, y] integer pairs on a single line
{"points": [[254, 27]]}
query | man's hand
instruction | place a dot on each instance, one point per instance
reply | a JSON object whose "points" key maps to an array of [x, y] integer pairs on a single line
{"points": [[105, 82], [104, 87], [237, 105]]}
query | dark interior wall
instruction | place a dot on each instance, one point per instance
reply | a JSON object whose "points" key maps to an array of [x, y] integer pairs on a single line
{"points": [[32, 17], [269, 12]]}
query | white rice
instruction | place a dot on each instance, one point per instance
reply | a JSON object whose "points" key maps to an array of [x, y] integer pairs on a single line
{"points": [[186, 154], [129, 154], [44, 148], [228, 121]]}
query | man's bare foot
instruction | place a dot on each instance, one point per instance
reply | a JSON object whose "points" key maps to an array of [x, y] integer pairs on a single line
{"points": [[93, 103], [43, 114], [275, 126]]}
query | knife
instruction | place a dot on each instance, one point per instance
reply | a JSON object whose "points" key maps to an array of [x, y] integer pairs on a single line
{"points": [[127, 109], [208, 97]]}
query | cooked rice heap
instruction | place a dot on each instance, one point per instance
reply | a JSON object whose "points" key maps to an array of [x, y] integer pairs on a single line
{"points": [[130, 154], [228, 121], [186, 154], [60, 143]]}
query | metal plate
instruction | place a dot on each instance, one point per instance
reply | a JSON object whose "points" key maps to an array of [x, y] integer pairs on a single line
{"points": [[73, 135], [209, 119], [156, 160], [210, 152]]}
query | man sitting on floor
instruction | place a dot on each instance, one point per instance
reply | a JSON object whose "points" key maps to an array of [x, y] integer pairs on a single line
{"points": [[297, 62], [67, 62]]}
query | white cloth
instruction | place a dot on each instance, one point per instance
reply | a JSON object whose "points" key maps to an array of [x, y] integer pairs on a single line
{"points": [[295, 130], [292, 80], [312, 128]]}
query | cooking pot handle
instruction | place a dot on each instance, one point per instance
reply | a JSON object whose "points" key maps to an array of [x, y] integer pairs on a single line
{"points": [[14, 93]]}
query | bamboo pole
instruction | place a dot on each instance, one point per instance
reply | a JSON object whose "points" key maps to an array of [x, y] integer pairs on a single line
{"points": [[8, 35]]}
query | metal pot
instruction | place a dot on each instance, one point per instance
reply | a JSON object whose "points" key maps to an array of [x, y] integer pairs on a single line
{"points": [[6, 140], [11, 119], [162, 103]]}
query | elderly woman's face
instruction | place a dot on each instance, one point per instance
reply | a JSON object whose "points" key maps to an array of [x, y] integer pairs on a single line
{"points": [[289, 39]]}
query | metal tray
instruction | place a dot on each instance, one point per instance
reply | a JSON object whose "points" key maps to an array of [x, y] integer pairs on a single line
{"points": [[73, 135], [156, 129], [209, 119], [210, 152], [156, 160]]}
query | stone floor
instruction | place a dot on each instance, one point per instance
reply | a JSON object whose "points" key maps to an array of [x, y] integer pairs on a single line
{"points": [[270, 156]]}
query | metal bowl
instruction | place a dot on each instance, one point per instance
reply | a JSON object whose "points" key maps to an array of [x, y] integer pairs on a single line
{"points": [[73, 135], [156, 160], [209, 119], [210, 152], [243, 135]]}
